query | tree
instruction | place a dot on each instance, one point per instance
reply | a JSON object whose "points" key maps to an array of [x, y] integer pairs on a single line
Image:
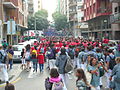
{"points": [[42, 13], [60, 21], [40, 19]]}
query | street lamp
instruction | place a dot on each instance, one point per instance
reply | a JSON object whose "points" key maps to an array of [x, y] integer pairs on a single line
{"points": [[105, 22]]}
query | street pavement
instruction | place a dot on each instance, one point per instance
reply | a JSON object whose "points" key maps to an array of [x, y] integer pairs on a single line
{"points": [[35, 81]]}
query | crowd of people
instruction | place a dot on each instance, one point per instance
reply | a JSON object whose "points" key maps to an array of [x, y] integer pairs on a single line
{"points": [[65, 55]]}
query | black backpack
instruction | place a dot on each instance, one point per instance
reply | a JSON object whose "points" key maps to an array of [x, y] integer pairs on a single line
{"points": [[112, 62], [48, 84], [100, 58]]}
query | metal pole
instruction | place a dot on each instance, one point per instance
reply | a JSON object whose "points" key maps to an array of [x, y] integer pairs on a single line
{"points": [[35, 27], [2, 25], [11, 30]]}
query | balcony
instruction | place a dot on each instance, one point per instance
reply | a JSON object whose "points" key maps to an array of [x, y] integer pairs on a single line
{"points": [[106, 11], [72, 12], [115, 18], [31, 10], [30, 2], [72, 4], [10, 3], [115, 1]]}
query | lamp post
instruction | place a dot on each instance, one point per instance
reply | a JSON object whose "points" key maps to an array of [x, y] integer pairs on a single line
{"points": [[105, 22]]}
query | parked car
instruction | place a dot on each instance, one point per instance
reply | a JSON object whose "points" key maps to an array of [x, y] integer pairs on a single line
{"points": [[17, 52]]}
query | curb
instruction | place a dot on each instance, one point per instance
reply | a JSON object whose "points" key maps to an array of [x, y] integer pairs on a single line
{"points": [[13, 77], [2, 85]]}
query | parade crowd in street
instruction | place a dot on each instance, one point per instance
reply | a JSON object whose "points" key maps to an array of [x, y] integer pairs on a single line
{"points": [[63, 56]]}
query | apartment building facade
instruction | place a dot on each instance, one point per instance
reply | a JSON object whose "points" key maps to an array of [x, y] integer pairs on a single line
{"points": [[97, 15], [39, 4], [31, 9], [15, 12], [115, 19]]}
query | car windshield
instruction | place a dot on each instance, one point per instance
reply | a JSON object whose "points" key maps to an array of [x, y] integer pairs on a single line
{"points": [[16, 49]]}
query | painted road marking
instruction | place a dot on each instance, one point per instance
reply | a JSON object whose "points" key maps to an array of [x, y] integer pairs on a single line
{"points": [[13, 82]]}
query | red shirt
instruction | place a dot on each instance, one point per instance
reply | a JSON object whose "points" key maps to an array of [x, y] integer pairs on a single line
{"points": [[40, 58]]}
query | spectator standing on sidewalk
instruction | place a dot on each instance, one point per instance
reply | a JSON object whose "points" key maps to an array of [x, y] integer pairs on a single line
{"points": [[9, 86], [10, 54]]}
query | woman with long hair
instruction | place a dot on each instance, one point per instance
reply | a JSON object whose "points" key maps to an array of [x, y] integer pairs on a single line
{"points": [[81, 82]]}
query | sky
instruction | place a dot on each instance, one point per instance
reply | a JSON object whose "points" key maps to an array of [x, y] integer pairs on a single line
{"points": [[50, 6]]}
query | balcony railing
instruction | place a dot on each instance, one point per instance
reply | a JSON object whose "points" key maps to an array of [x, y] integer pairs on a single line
{"points": [[72, 4], [10, 3], [107, 10], [73, 12], [115, 1], [30, 10], [115, 18]]}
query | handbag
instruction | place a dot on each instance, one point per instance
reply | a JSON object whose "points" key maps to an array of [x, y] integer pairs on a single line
{"points": [[10, 56], [68, 66]]}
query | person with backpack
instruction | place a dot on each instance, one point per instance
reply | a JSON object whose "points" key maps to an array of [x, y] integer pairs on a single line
{"points": [[55, 81], [71, 52], [110, 62], [81, 82], [61, 63], [100, 57], [115, 76], [82, 61], [10, 54]]}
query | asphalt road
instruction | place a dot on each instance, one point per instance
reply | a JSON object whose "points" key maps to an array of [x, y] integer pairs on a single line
{"points": [[35, 81]]}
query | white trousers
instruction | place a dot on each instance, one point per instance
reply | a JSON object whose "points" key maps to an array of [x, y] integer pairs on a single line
{"points": [[108, 76], [64, 78], [3, 69], [52, 63]]}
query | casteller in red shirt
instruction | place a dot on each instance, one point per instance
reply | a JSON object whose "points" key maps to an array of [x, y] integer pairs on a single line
{"points": [[40, 58]]}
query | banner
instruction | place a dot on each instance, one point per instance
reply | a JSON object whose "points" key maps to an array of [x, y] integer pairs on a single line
{"points": [[11, 27]]}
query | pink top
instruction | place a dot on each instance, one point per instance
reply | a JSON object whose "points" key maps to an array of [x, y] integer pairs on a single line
{"points": [[52, 80]]}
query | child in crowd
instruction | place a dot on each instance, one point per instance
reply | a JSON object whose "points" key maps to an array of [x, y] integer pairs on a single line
{"points": [[41, 61], [81, 82], [54, 82]]}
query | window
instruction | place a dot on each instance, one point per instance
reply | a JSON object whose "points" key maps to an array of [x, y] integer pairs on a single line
{"points": [[79, 0], [79, 7]]}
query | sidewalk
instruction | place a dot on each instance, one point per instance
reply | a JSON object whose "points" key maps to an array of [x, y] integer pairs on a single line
{"points": [[13, 74]]}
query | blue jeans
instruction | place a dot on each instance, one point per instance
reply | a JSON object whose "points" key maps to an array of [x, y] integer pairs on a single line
{"points": [[11, 63], [41, 67], [35, 66]]}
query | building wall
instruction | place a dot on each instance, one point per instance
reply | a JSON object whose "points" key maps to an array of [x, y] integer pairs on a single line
{"points": [[39, 4], [18, 14], [115, 22]]}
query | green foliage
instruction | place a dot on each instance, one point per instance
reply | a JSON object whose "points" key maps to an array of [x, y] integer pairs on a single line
{"points": [[42, 13], [60, 21], [40, 18]]}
